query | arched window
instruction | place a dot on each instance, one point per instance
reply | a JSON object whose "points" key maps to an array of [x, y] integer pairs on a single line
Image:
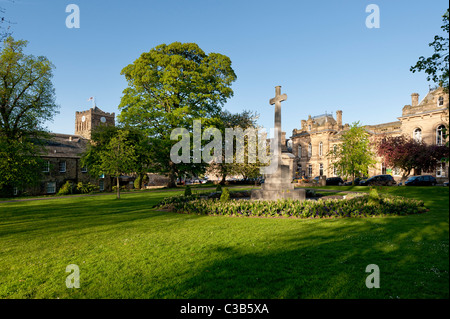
{"points": [[309, 150], [320, 148], [417, 134], [441, 101], [309, 170], [440, 135], [300, 151]]}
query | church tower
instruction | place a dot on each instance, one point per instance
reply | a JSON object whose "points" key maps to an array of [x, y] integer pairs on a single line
{"points": [[87, 121]]}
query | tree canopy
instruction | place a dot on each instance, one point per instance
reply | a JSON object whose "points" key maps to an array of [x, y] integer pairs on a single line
{"points": [[408, 154], [27, 101], [353, 156], [114, 152], [168, 88], [436, 66]]}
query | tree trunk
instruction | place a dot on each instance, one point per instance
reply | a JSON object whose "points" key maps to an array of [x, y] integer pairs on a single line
{"points": [[172, 176], [141, 180], [224, 177], [118, 188]]}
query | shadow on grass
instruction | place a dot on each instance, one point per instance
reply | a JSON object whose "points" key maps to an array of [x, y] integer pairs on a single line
{"points": [[328, 262], [67, 214]]}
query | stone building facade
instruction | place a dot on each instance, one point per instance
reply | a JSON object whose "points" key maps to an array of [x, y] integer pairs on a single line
{"points": [[422, 120], [62, 157]]}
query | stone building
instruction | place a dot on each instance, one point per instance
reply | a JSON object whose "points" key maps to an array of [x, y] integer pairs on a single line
{"points": [[422, 120], [62, 157]]}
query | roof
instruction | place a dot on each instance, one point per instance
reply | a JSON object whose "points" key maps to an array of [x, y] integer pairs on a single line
{"points": [[65, 145], [323, 118]]}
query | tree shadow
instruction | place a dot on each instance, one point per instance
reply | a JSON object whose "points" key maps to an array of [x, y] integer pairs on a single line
{"points": [[328, 260]]}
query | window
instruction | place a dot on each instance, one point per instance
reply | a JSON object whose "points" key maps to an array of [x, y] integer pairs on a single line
{"points": [[299, 169], [335, 171], [383, 168], [101, 185], [51, 187], [321, 169], [440, 171], [84, 169], [441, 101], [46, 167], [335, 148], [62, 167], [309, 150], [309, 127], [309, 170], [320, 148], [440, 135], [299, 151], [417, 134]]}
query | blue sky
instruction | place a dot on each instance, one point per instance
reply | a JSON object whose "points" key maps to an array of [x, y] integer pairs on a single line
{"points": [[320, 52]]}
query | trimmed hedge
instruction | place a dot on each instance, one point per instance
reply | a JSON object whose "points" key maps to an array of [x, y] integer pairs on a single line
{"points": [[361, 206]]}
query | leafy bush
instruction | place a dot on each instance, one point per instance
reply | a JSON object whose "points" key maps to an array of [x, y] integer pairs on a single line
{"points": [[219, 188], [355, 207], [145, 179], [225, 195], [374, 197], [86, 188], [122, 188], [66, 189], [187, 191]]}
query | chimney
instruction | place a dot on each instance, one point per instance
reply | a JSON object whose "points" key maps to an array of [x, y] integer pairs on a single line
{"points": [[339, 118], [414, 99]]}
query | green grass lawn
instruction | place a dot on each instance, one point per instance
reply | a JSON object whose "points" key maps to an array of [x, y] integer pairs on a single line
{"points": [[124, 249]]}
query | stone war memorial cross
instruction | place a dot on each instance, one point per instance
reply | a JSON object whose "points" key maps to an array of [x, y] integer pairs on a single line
{"points": [[278, 183]]}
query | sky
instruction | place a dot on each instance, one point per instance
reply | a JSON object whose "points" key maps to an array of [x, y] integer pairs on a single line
{"points": [[321, 52]]}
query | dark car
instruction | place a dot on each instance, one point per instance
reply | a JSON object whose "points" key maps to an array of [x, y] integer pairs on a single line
{"points": [[379, 180], [334, 181], [422, 180], [357, 181]]}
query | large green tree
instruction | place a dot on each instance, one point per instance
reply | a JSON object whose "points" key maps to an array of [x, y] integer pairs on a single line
{"points": [[112, 152], [168, 88], [27, 101], [227, 120], [436, 66], [353, 155]]}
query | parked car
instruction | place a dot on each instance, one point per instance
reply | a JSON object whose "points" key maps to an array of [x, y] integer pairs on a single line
{"points": [[379, 180], [334, 181], [445, 183], [357, 181], [422, 180], [316, 179]]}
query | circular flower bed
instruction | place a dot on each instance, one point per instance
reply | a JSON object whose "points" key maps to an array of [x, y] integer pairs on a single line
{"points": [[361, 206]]}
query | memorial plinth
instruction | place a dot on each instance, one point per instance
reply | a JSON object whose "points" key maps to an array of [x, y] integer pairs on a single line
{"points": [[278, 184]]}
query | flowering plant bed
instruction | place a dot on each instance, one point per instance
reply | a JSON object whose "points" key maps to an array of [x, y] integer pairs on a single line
{"points": [[361, 206]]}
